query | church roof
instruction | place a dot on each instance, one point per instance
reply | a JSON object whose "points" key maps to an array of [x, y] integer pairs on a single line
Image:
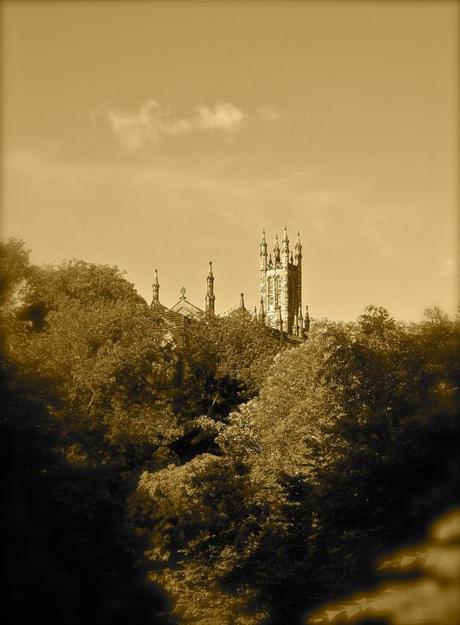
{"points": [[186, 308]]}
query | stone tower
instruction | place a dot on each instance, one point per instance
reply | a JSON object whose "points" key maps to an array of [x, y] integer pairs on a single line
{"points": [[281, 286]]}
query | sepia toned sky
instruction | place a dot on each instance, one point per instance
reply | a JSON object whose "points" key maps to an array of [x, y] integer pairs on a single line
{"points": [[166, 135]]}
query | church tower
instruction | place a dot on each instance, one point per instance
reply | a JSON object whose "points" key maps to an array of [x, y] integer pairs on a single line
{"points": [[281, 286]]}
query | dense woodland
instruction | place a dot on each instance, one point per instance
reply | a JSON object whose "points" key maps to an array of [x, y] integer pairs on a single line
{"points": [[264, 487]]}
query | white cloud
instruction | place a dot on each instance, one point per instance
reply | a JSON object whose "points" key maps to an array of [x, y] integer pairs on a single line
{"points": [[150, 124], [223, 116], [133, 130]]}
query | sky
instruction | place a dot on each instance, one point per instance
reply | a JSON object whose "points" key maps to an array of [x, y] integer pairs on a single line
{"points": [[164, 135]]}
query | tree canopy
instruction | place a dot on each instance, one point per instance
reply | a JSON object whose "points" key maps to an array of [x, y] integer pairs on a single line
{"points": [[264, 485]]}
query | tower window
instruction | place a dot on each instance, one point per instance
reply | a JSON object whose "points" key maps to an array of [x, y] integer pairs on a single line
{"points": [[270, 292], [277, 290]]}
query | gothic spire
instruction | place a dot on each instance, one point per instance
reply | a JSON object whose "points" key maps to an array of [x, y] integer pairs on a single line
{"points": [[306, 323], [276, 250], [286, 238], [285, 244], [210, 297], [263, 251], [263, 243], [262, 309], [155, 289], [298, 250]]}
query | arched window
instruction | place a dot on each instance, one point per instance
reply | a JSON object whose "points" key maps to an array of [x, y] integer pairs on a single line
{"points": [[278, 291], [270, 292]]}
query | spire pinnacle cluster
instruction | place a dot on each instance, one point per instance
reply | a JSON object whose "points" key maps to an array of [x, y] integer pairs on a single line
{"points": [[280, 305], [281, 286]]}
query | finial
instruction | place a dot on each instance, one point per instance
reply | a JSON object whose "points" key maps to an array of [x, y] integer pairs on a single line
{"points": [[156, 276], [182, 293], [210, 268], [242, 306]]}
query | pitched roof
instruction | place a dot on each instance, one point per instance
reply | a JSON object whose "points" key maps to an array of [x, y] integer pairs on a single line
{"points": [[186, 308]]}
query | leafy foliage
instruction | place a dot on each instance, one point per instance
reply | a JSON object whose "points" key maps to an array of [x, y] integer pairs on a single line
{"points": [[262, 487], [228, 358], [85, 328], [346, 429], [70, 554]]}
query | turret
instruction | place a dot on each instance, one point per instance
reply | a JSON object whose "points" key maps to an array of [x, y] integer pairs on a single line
{"points": [[210, 297], [298, 250], [263, 252], [285, 248], [262, 310], [306, 323], [276, 251], [155, 290]]}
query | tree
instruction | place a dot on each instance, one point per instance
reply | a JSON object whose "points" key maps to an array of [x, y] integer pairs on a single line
{"points": [[70, 554], [85, 328], [227, 360], [358, 416], [346, 429]]}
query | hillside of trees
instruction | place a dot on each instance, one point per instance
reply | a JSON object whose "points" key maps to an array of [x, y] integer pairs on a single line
{"points": [[265, 487]]}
